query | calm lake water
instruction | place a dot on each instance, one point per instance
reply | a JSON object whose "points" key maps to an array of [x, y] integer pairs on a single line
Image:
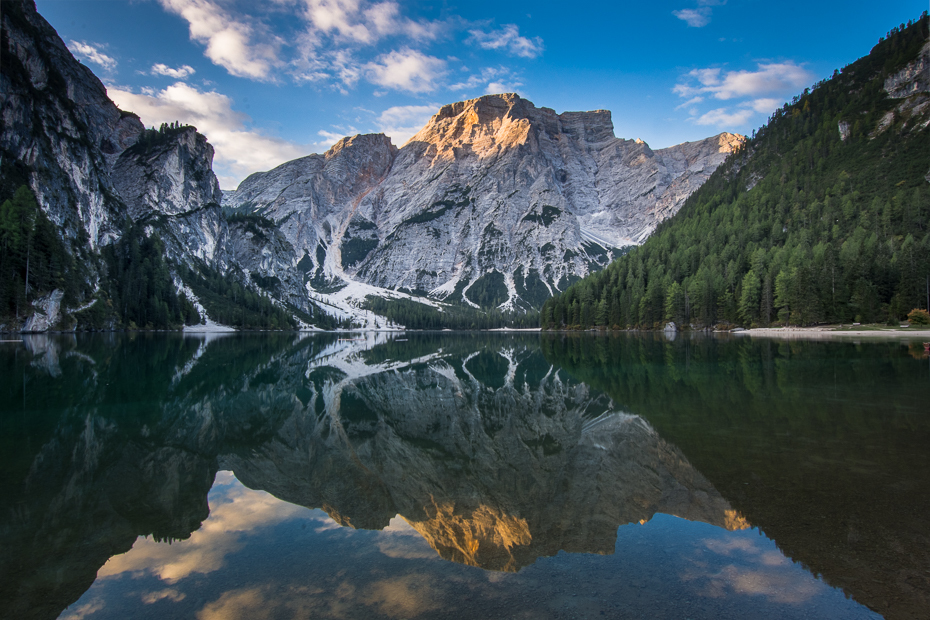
{"points": [[463, 476]]}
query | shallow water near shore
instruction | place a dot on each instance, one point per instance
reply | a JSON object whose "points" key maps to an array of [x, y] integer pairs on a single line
{"points": [[463, 475]]}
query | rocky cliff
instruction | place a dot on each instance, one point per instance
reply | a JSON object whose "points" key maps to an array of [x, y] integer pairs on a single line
{"points": [[60, 131], [91, 166], [493, 193]]}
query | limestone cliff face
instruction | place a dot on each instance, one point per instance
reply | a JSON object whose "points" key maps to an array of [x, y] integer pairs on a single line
{"points": [[92, 165], [489, 188], [59, 130], [910, 85], [912, 79], [265, 257], [171, 184], [313, 199], [169, 177]]}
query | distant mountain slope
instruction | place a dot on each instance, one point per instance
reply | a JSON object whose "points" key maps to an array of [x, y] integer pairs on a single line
{"points": [[494, 203], [822, 216]]}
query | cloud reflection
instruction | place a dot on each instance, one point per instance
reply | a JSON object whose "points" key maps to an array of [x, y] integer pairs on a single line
{"points": [[755, 570], [82, 611], [395, 597], [405, 542], [250, 603], [168, 593], [403, 597], [237, 511]]}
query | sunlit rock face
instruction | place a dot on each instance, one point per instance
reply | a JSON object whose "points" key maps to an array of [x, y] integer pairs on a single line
{"points": [[491, 188], [168, 177], [313, 199]]}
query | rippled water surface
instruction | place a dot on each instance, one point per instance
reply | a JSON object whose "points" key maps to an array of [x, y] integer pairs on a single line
{"points": [[463, 475]]}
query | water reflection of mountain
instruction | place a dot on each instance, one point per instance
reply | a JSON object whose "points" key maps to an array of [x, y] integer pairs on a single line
{"points": [[492, 454], [822, 445]]}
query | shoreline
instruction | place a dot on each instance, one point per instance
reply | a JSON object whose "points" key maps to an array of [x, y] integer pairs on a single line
{"points": [[822, 333]]}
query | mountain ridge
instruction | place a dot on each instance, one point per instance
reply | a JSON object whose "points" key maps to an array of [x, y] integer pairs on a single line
{"points": [[492, 207], [476, 182]]}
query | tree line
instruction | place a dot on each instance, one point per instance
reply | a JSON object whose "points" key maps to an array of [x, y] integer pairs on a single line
{"points": [[821, 216], [33, 259]]}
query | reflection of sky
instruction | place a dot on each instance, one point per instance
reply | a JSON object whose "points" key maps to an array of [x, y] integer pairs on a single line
{"points": [[259, 557]]}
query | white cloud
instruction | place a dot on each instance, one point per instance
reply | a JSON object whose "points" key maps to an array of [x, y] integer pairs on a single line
{"points": [[338, 33], [331, 138], [700, 17], [236, 45], [239, 151], [345, 67], [724, 117], [366, 23], [406, 69], [766, 105], [769, 78], [179, 74], [479, 79], [335, 42], [340, 17], [402, 122], [746, 89], [490, 80], [740, 115], [91, 53], [509, 40], [494, 88], [690, 102], [695, 18]]}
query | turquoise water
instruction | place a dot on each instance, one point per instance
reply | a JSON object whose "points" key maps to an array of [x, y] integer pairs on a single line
{"points": [[463, 475]]}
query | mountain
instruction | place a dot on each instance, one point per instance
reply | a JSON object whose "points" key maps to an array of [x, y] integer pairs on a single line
{"points": [[822, 216], [494, 203], [491, 208], [86, 169]]}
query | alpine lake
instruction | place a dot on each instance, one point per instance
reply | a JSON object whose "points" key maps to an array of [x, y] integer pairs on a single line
{"points": [[463, 475]]}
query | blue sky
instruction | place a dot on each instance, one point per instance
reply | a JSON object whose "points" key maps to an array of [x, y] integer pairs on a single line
{"points": [[274, 80]]}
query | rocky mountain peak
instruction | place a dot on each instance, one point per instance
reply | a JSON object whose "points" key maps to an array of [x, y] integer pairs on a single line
{"points": [[494, 203], [482, 126], [361, 142], [166, 173], [490, 124]]}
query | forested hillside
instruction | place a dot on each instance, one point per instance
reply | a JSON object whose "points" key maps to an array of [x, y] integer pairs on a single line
{"points": [[821, 217]]}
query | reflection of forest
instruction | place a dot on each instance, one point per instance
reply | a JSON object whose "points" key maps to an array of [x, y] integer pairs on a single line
{"points": [[822, 445], [492, 454]]}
